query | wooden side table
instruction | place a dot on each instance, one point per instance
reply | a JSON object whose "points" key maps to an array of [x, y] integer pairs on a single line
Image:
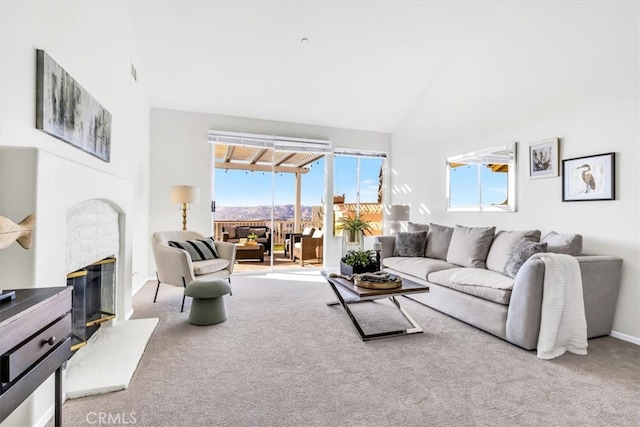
{"points": [[35, 342]]}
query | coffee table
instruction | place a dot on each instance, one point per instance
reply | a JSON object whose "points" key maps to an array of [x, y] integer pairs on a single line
{"points": [[250, 252], [359, 294]]}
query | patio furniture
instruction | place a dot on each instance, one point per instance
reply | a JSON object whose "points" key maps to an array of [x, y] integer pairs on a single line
{"points": [[309, 247], [233, 234], [291, 238], [176, 267], [255, 251]]}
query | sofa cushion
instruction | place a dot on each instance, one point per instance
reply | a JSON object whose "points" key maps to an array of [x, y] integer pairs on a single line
{"points": [[260, 232], [231, 231], [410, 244], [413, 227], [503, 244], [198, 249], [500, 296], [470, 245], [520, 254], [481, 277], [242, 232], [209, 266], [438, 241], [416, 266], [570, 244]]}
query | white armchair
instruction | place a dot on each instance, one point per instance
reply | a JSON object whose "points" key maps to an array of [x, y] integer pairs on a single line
{"points": [[175, 267]]}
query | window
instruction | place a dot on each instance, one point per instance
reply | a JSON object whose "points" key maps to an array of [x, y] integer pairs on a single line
{"points": [[358, 187], [482, 181]]}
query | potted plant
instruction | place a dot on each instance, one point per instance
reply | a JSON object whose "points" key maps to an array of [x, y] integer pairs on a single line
{"points": [[356, 262], [353, 229], [252, 238]]}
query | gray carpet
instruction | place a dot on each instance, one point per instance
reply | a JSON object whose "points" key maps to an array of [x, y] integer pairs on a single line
{"points": [[285, 358]]}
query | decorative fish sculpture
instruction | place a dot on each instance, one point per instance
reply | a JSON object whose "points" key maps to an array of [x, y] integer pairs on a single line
{"points": [[23, 232]]}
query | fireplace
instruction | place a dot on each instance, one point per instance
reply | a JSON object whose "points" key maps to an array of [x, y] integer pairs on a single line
{"points": [[94, 299]]}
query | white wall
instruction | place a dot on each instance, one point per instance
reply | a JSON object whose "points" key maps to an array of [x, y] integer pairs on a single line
{"points": [[537, 71], [93, 42], [180, 154]]}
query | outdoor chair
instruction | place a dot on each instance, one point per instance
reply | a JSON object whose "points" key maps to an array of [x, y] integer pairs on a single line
{"points": [[309, 247], [291, 238], [175, 266]]}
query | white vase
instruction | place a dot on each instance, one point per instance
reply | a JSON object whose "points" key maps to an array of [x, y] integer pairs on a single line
{"points": [[352, 241]]}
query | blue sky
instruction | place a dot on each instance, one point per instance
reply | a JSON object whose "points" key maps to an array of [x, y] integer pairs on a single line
{"points": [[464, 181], [241, 188]]}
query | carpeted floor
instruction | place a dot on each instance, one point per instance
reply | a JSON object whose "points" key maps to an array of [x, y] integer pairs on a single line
{"points": [[285, 358]]}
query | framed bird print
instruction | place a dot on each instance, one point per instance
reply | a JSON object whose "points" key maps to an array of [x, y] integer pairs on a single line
{"points": [[589, 178], [543, 159]]}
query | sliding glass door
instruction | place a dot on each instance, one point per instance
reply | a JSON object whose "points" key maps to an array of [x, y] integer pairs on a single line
{"points": [[267, 188]]}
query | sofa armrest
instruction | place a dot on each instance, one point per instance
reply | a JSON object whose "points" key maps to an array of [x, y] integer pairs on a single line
{"points": [[388, 244], [600, 284], [225, 236], [226, 250], [173, 264], [523, 317]]}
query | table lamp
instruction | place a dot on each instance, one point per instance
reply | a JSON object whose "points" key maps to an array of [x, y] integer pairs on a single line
{"points": [[184, 194], [397, 213]]}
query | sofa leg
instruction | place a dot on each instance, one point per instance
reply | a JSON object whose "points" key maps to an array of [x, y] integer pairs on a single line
{"points": [[157, 288]]}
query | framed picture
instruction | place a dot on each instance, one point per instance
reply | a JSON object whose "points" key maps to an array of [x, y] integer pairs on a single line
{"points": [[589, 178], [65, 110], [543, 159]]}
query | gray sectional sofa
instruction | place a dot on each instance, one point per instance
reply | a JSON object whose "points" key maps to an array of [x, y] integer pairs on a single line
{"points": [[468, 271]]}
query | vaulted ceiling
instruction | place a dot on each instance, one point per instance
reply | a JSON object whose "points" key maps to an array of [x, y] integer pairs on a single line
{"points": [[362, 66]]}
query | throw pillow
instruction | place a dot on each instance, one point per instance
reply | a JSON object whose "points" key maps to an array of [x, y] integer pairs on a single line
{"points": [[413, 227], [410, 244], [438, 241], [520, 254], [470, 245], [570, 244], [199, 250], [231, 232], [504, 243], [242, 232]]}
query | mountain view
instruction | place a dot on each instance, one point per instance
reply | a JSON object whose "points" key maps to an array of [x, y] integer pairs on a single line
{"points": [[260, 213]]}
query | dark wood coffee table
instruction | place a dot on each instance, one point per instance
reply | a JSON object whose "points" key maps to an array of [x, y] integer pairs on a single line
{"points": [[363, 294], [250, 252]]}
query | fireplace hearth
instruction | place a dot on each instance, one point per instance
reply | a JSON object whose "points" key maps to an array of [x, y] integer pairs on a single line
{"points": [[93, 299]]}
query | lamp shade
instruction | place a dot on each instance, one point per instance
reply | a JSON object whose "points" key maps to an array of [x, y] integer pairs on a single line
{"points": [[398, 212], [185, 194]]}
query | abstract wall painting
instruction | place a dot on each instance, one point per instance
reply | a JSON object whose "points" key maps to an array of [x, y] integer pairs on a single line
{"points": [[543, 159], [589, 178], [65, 110]]}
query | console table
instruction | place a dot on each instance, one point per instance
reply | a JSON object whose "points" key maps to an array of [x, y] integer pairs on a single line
{"points": [[35, 342]]}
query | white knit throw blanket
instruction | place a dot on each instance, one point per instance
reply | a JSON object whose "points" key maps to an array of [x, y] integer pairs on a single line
{"points": [[563, 325]]}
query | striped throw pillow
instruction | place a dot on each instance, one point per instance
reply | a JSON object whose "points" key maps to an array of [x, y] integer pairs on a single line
{"points": [[199, 250]]}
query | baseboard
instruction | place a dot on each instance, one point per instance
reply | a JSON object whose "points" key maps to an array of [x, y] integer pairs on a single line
{"points": [[142, 283], [625, 337], [46, 417]]}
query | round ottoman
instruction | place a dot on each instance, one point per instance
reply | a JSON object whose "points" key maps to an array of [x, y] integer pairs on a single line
{"points": [[207, 307]]}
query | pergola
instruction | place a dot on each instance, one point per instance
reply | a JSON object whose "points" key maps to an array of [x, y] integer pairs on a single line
{"points": [[251, 158]]}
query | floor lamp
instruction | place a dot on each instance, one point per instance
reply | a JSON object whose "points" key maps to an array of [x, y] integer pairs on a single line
{"points": [[185, 194], [397, 213]]}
